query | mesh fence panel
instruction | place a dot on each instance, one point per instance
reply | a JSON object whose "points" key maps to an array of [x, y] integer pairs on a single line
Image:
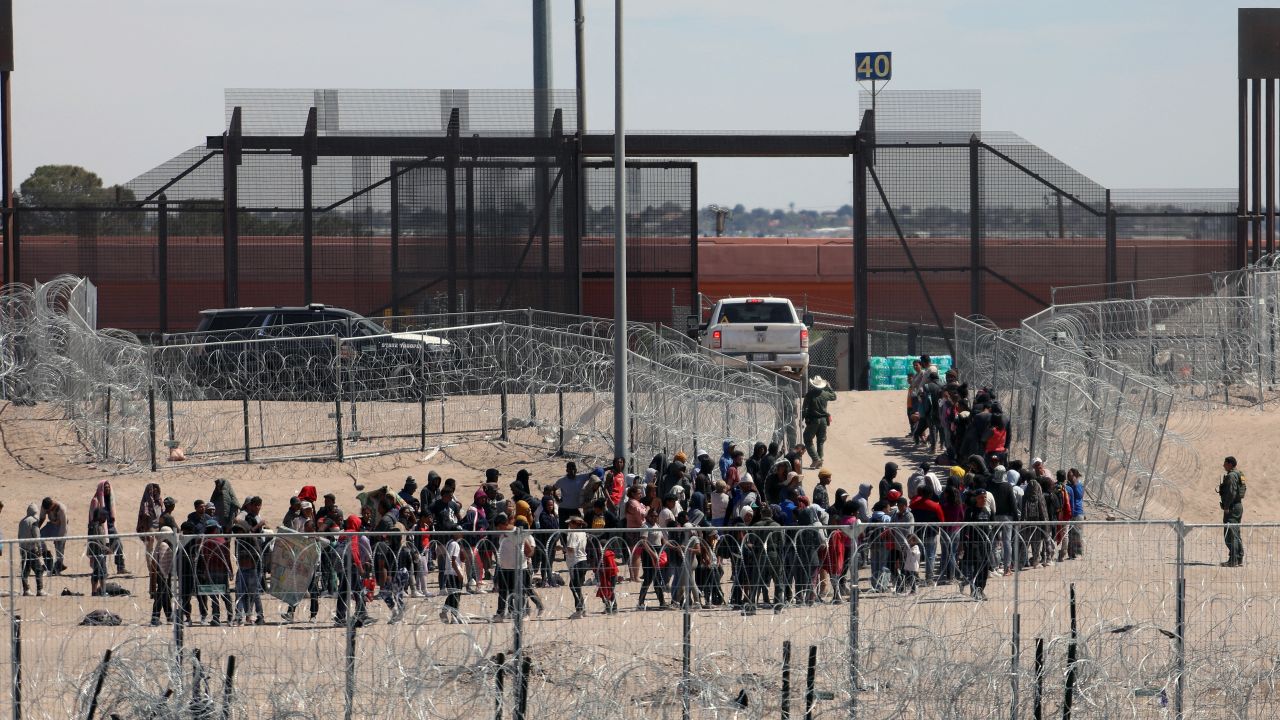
{"points": [[1137, 620], [661, 237]]}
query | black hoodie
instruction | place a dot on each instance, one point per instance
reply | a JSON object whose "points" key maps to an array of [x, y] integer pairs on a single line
{"points": [[431, 492], [755, 464], [888, 482]]}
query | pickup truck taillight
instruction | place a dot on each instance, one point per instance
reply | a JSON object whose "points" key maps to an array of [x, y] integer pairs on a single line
{"points": [[715, 340], [804, 338]]}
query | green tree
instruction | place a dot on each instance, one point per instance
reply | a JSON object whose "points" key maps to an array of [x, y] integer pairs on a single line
{"points": [[62, 185], [68, 186]]}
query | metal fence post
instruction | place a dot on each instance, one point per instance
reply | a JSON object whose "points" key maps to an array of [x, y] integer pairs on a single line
{"points": [[244, 416], [1066, 415], [1016, 649], [162, 259], [516, 606], [1257, 354], [17, 667], [349, 651], [337, 396], [168, 401], [106, 440], [422, 400], [175, 598], [1035, 410], [1151, 471], [1134, 447], [786, 680], [151, 425], [560, 406], [686, 635], [1180, 621], [15, 651], [505, 415], [854, 590], [533, 400], [1111, 434]]}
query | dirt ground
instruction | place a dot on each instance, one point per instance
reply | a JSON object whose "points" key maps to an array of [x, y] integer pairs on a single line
{"points": [[40, 456], [927, 655]]}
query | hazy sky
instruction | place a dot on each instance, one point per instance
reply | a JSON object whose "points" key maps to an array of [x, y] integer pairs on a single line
{"points": [[1133, 94]]}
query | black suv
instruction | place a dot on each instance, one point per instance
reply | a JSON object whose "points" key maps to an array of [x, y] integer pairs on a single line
{"points": [[291, 353]]}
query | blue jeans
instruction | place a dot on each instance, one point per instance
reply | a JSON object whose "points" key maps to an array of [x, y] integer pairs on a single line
{"points": [[248, 590], [928, 548], [1006, 541], [948, 569]]}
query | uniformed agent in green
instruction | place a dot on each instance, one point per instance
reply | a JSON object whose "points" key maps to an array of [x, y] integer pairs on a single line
{"points": [[816, 418], [1231, 498]]}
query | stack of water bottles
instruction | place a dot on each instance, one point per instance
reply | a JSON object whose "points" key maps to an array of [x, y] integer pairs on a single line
{"points": [[894, 372]]}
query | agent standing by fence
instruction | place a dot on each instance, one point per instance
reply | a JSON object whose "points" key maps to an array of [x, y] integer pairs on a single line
{"points": [[816, 418], [1231, 497]]}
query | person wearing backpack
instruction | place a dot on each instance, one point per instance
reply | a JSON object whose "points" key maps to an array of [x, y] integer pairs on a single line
{"points": [[1231, 498]]}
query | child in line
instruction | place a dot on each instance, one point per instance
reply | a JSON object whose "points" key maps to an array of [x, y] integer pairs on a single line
{"points": [[606, 571], [911, 564]]}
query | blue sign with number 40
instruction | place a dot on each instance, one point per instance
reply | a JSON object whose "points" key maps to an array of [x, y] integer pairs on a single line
{"points": [[873, 65]]}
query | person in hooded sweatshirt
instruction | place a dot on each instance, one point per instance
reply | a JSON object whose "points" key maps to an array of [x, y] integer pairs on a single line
{"points": [[726, 459], [756, 463], [431, 493], [808, 541], [704, 482], [771, 456], [408, 492], [1034, 510], [32, 547], [775, 480], [889, 481], [1007, 510], [862, 510]]}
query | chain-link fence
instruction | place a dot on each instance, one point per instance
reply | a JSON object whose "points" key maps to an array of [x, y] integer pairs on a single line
{"points": [[1074, 409], [1216, 347], [325, 391], [964, 620]]}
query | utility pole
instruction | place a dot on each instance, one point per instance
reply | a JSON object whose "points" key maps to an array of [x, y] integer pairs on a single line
{"points": [[620, 410]]}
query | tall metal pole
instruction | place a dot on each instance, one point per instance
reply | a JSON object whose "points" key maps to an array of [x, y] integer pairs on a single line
{"points": [[6, 140], [620, 409], [541, 67], [580, 63], [580, 183], [1256, 187], [6, 169], [1242, 201]]}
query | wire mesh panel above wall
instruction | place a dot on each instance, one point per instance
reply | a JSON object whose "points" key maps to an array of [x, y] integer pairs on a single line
{"points": [[661, 239], [482, 235]]}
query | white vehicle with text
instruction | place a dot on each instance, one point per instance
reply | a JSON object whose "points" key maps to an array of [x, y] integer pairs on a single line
{"points": [[762, 331]]}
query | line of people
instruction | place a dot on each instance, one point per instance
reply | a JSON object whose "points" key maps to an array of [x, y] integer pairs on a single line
{"points": [[740, 531]]}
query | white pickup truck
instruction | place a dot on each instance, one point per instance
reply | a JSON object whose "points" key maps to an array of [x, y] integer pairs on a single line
{"points": [[763, 331]]}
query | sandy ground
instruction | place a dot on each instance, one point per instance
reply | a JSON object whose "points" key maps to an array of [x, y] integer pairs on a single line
{"points": [[937, 645], [40, 456]]}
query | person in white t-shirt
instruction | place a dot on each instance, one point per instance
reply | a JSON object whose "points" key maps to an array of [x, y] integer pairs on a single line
{"points": [[513, 568], [652, 540], [575, 556], [455, 576]]}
